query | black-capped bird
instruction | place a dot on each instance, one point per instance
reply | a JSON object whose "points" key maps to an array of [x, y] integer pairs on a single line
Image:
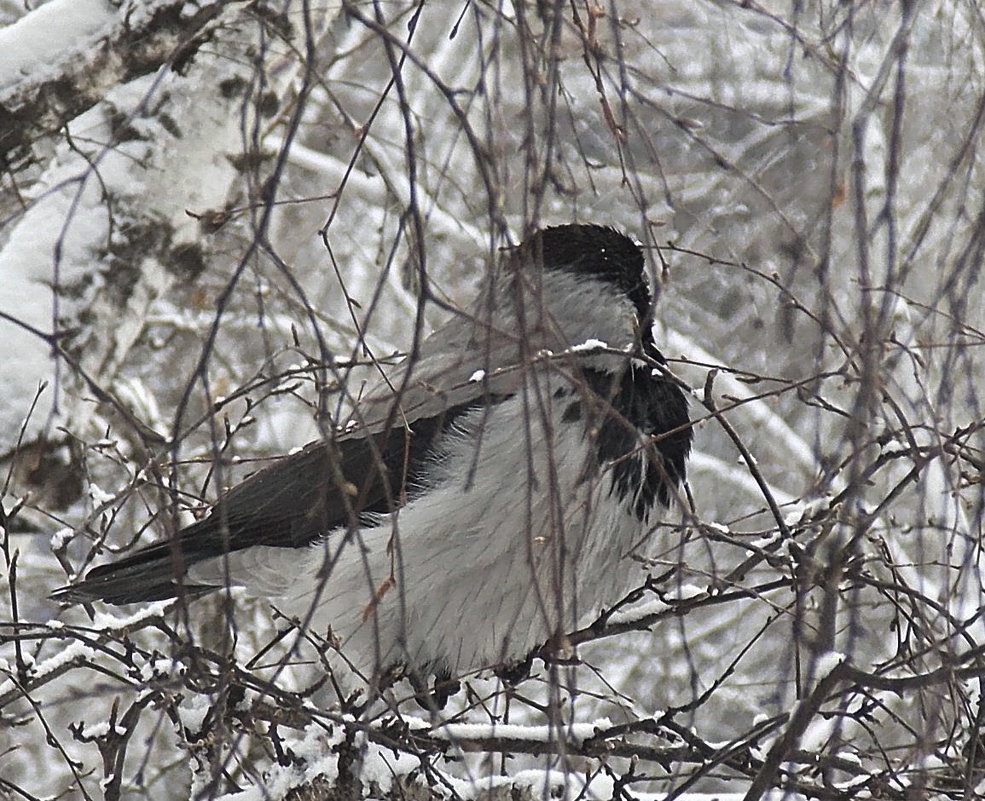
{"points": [[486, 496]]}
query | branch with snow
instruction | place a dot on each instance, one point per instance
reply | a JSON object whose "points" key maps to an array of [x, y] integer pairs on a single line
{"points": [[66, 56]]}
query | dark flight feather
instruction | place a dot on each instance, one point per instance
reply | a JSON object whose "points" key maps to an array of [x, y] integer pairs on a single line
{"points": [[374, 469]]}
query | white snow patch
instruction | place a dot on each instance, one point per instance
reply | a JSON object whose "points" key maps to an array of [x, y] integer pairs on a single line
{"points": [[805, 510], [61, 538], [589, 344], [315, 749], [827, 662], [574, 733], [105, 621], [72, 651], [686, 590], [160, 667], [99, 497], [193, 712], [37, 43], [817, 734], [381, 767], [638, 612], [763, 543], [859, 782], [100, 729]]}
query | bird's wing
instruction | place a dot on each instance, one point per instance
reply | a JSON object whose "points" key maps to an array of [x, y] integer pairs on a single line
{"points": [[368, 466]]}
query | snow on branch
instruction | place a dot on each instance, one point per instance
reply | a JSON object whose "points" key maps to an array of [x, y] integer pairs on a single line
{"points": [[64, 57]]}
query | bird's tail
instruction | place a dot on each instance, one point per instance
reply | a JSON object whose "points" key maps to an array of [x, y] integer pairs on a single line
{"points": [[153, 573]]}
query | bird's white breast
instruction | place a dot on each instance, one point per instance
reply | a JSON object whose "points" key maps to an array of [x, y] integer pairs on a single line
{"points": [[518, 537]]}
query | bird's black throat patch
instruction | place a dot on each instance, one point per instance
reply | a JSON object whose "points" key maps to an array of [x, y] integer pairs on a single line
{"points": [[641, 430]]}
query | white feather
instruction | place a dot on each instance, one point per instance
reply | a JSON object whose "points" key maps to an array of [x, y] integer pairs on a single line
{"points": [[511, 545]]}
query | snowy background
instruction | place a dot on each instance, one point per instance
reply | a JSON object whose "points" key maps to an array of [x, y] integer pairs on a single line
{"points": [[213, 213]]}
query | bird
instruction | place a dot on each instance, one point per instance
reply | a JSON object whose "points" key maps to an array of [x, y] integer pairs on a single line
{"points": [[485, 498]]}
